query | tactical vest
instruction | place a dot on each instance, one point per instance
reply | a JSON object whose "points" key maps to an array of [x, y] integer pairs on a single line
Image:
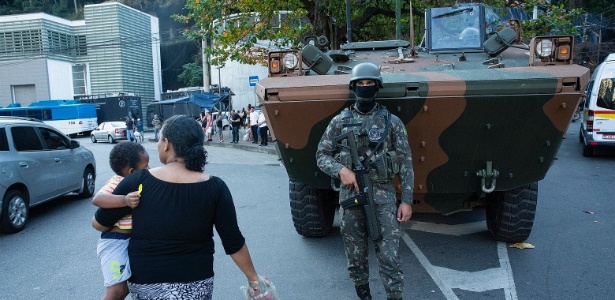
{"points": [[373, 139]]}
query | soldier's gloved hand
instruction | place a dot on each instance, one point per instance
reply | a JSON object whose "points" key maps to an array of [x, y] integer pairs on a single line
{"points": [[349, 179]]}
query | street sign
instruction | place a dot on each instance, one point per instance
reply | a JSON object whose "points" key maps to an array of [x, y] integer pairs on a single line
{"points": [[253, 80]]}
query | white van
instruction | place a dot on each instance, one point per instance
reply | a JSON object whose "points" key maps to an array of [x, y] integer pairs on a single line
{"points": [[598, 126]]}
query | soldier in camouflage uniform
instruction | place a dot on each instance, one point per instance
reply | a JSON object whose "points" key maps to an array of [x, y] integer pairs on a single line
{"points": [[368, 120]]}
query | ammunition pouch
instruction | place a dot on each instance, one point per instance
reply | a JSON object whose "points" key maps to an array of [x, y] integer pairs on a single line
{"points": [[383, 167], [356, 200]]}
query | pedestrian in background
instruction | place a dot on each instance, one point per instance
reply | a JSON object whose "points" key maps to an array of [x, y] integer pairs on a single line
{"points": [[130, 127], [210, 126], [243, 116], [263, 128], [235, 125], [219, 128], [382, 134], [157, 123], [172, 246], [254, 125]]}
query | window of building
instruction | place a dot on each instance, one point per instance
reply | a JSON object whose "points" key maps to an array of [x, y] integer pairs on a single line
{"points": [[79, 79]]}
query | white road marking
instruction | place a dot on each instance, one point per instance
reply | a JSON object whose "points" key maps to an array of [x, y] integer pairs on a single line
{"points": [[449, 279], [510, 290], [446, 290]]}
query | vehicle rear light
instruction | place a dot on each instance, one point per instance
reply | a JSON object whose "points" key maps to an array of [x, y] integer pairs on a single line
{"points": [[590, 120], [117, 131], [593, 143]]}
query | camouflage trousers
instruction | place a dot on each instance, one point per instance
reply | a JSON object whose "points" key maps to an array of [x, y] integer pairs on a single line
{"points": [[355, 236]]}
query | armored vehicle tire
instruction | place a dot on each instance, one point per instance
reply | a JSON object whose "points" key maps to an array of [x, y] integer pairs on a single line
{"points": [[312, 209], [510, 214]]}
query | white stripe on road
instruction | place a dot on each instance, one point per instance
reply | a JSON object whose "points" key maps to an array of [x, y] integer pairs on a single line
{"points": [[510, 290], [446, 290], [480, 281]]}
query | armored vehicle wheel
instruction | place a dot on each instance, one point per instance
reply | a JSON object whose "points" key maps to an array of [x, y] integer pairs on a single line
{"points": [[510, 214], [312, 209]]}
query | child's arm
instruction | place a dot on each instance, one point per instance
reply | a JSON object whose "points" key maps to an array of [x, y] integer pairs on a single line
{"points": [[99, 227], [104, 200]]}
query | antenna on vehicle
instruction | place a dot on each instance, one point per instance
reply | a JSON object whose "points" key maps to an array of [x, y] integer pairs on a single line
{"points": [[348, 22], [412, 51]]}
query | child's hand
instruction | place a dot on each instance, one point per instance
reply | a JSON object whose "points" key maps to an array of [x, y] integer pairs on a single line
{"points": [[132, 199]]}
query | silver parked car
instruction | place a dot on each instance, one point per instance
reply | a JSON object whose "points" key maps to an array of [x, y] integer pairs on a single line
{"points": [[109, 131], [38, 164]]}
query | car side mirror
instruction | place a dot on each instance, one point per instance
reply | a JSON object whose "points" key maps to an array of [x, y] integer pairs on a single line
{"points": [[74, 144]]}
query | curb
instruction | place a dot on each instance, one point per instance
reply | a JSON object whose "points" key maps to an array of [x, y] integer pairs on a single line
{"points": [[244, 146]]}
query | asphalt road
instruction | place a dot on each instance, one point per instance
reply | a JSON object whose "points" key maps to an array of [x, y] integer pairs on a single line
{"points": [[443, 257]]}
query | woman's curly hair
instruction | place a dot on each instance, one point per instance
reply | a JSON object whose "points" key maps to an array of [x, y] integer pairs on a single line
{"points": [[186, 136], [125, 155]]}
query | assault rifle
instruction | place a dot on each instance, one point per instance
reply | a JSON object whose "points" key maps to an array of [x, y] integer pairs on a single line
{"points": [[365, 195]]}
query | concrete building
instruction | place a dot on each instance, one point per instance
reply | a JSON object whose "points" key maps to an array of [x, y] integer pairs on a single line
{"points": [[114, 49]]}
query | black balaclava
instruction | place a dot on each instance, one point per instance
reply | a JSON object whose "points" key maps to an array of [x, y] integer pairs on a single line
{"points": [[365, 97]]}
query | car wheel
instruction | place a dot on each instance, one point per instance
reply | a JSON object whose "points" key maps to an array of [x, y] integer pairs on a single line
{"points": [[14, 212], [111, 140], [89, 183], [588, 151], [581, 134], [93, 138]]}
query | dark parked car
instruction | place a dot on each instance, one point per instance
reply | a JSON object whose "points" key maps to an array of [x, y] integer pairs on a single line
{"points": [[39, 164]]}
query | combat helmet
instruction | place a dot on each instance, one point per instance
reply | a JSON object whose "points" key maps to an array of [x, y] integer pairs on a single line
{"points": [[363, 71]]}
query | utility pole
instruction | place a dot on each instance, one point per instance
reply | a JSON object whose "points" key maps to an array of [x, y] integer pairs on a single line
{"points": [[398, 19], [206, 70], [348, 22]]}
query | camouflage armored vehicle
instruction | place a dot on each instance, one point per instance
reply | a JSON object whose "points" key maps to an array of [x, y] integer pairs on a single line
{"points": [[485, 115]]}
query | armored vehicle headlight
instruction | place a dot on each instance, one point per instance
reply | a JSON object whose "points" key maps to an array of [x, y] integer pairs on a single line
{"points": [[290, 60], [275, 66], [544, 48]]}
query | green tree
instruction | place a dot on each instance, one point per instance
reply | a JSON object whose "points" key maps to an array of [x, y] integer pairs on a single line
{"points": [[555, 19], [192, 75]]}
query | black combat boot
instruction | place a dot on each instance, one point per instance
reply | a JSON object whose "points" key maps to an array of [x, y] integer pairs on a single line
{"points": [[363, 292]]}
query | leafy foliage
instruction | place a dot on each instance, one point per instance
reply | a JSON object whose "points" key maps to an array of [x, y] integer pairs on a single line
{"points": [[556, 19], [192, 75], [238, 29]]}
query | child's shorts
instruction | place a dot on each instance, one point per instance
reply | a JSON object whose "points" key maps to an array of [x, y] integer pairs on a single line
{"points": [[112, 251]]}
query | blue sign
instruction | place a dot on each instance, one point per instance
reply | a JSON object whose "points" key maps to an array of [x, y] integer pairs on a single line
{"points": [[253, 80]]}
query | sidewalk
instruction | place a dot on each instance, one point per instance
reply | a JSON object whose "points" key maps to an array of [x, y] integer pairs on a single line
{"points": [[243, 145]]}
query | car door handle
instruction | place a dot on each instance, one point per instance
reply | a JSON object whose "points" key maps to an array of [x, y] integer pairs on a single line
{"points": [[23, 164], [57, 159]]}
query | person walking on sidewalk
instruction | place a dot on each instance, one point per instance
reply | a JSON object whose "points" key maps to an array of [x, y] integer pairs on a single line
{"points": [[254, 125], [130, 129], [383, 142], [235, 123], [262, 125], [157, 123], [219, 127]]}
